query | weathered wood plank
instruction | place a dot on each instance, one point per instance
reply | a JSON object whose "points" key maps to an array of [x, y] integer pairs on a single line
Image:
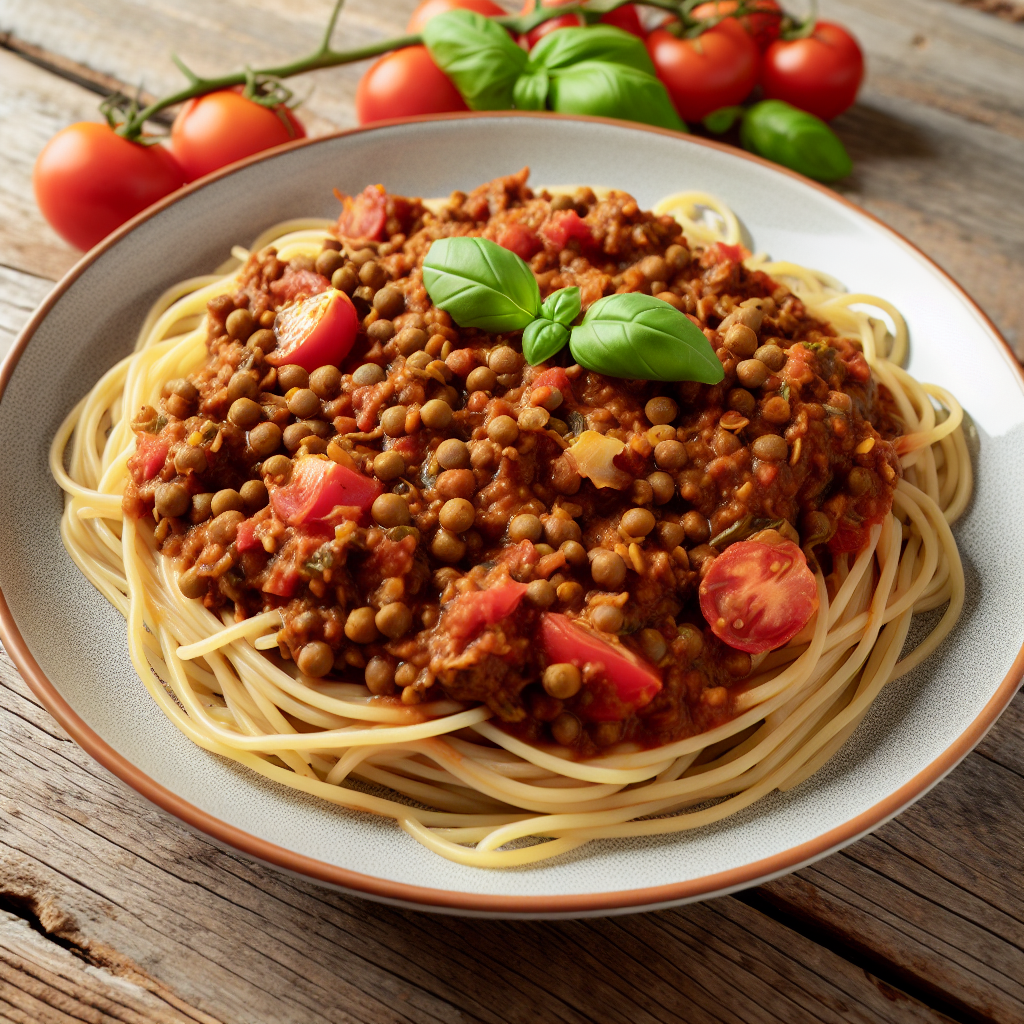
{"points": [[20, 293], [98, 868]]}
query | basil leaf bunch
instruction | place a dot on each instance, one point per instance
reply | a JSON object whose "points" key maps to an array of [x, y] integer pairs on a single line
{"points": [[598, 70], [795, 139], [631, 335], [548, 334]]}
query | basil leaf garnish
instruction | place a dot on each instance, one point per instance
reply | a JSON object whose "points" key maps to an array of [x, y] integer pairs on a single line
{"points": [[543, 339], [612, 90], [480, 284], [531, 90], [795, 139], [562, 306], [478, 55], [639, 337], [570, 46]]}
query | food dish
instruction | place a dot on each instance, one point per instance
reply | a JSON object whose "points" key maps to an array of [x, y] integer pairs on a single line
{"points": [[486, 608], [851, 794]]}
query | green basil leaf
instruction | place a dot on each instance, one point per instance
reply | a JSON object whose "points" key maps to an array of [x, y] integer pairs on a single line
{"points": [[570, 46], [531, 91], [721, 120], [562, 306], [478, 55], [795, 139], [481, 284], [612, 90], [543, 339], [639, 337]]}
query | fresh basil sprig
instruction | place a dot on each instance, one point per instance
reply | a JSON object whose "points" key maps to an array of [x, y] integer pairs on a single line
{"points": [[598, 70], [630, 335], [548, 334], [638, 336], [480, 284], [478, 55], [795, 139]]}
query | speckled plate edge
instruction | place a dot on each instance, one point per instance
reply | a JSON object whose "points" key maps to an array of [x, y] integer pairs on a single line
{"points": [[472, 904]]}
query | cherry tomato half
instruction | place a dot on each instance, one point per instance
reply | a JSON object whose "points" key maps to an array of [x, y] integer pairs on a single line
{"points": [[431, 8], [317, 487], [219, 128], [757, 596], [471, 611], [88, 180], [762, 22], [317, 331], [820, 73], [717, 69], [403, 84], [624, 17]]}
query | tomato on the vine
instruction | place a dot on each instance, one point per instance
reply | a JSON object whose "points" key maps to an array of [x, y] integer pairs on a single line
{"points": [[219, 128], [717, 69], [624, 17], [762, 20], [820, 73], [405, 83], [88, 180], [431, 8]]}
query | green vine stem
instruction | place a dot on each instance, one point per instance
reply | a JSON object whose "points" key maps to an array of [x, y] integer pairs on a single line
{"points": [[257, 80]]}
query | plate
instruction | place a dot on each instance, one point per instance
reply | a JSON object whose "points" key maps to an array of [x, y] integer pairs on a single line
{"points": [[70, 644]]}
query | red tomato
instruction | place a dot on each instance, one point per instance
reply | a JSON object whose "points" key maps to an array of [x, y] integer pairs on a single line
{"points": [[294, 283], [88, 181], [634, 683], [758, 596], [364, 215], [317, 487], [717, 69], [472, 611], [820, 74], [431, 8], [624, 17], [149, 458], [219, 128], [405, 83], [520, 239], [763, 20], [565, 225], [317, 331]]}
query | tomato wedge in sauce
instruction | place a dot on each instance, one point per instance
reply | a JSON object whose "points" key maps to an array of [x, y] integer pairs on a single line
{"points": [[316, 331], [319, 487], [758, 595]]}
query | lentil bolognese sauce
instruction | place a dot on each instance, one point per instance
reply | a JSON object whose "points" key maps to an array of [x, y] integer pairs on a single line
{"points": [[540, 601]]}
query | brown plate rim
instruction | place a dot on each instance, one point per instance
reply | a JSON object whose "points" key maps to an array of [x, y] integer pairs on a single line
{"points": [[424, 897]]}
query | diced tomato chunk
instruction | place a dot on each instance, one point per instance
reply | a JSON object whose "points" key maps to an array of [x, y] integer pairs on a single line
{"points": [[299, 282], [364, 216], [149, 458], [564, 226], [520, 239], [556, 377], [245, 539], [470, 612], [757, 596], [733, 253], [322, 491], [634, 682], [315, 331]]}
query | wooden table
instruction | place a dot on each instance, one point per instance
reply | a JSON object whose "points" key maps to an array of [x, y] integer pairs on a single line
{"points": [[109, 911]]}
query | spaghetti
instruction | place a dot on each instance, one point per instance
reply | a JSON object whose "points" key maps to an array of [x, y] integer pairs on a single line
{"points": [[454, 778]]}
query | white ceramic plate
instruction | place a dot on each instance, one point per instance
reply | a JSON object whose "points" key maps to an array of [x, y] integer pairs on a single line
{"points": [[71, 645]]}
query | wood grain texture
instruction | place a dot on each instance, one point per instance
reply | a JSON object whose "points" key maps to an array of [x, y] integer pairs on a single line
{"points": [[100, 870], [20, 293]]}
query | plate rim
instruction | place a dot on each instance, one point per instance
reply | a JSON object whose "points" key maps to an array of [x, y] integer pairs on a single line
{"points": [[447, 900]]}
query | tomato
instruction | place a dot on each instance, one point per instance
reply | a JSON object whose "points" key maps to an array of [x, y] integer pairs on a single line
{"points": [[405, 83], [363, 216], [758, 595], [717, 69], [317, 488], [762, 22], [471, 612], [431, 8], [633, 682], [219, 128], [88, 180], [820, 74], [565, 225], [149, 458], [317, 331], [624, 17], [520, 239]]}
